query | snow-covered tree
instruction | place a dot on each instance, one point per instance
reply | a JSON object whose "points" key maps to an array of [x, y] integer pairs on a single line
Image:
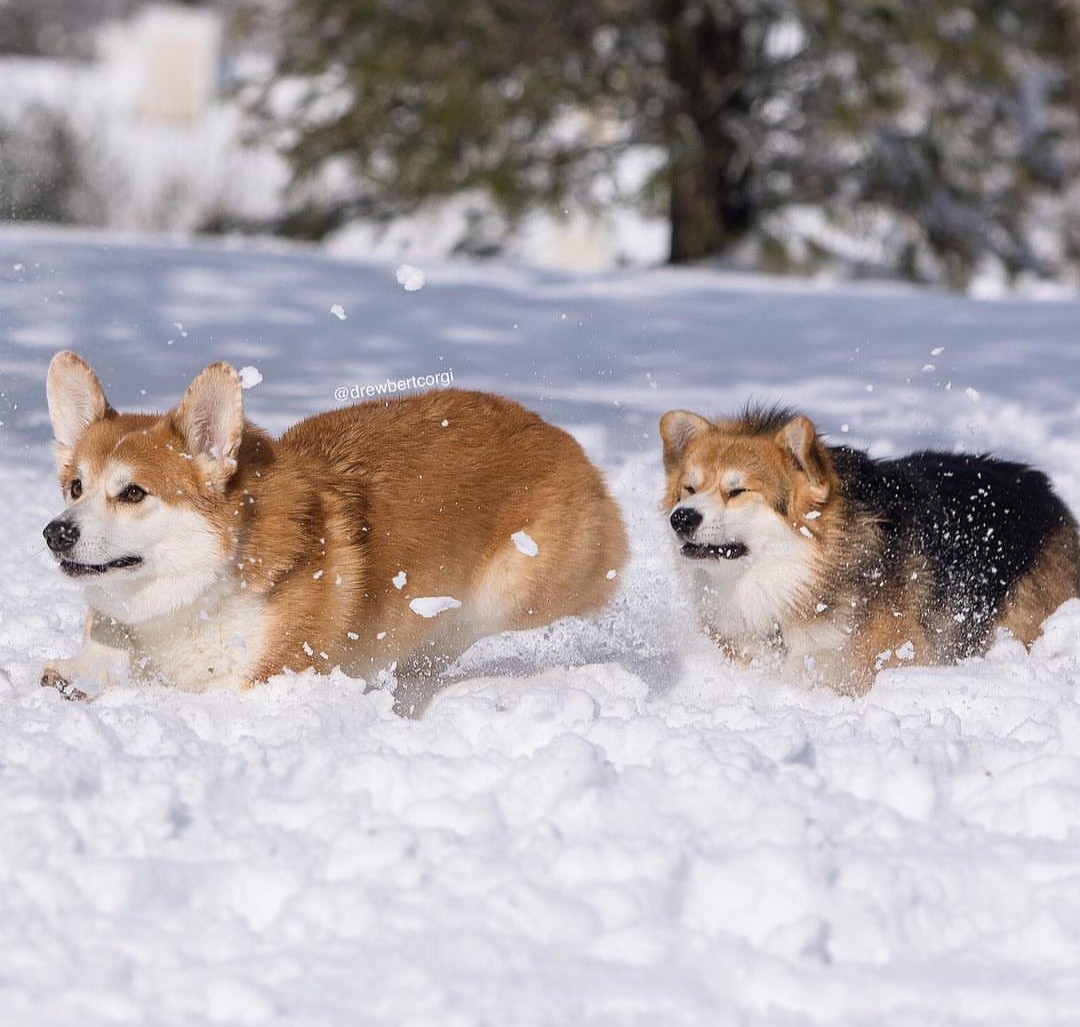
{"points": [[791, 130], [952, 127]]}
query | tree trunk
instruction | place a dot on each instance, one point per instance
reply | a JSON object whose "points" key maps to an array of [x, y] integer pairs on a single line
{"points": [[694, 214], [711, 202]]}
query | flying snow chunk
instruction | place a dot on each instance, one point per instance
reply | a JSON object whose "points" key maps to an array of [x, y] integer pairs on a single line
{"points": [[612, 574], [432, 606], [525, 543], [338, 311], [410, 278], [973, 394], [250, 377], [399, 580]]}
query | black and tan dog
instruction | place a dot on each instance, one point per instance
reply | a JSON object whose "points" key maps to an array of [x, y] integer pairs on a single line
{"points": [[840, 564]]}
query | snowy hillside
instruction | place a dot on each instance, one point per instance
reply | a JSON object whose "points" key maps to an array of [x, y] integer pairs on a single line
{"points": [[599, 823]]}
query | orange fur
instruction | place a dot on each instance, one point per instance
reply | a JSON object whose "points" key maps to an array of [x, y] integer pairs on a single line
{"points": [[1044, 588], [314, 527]]}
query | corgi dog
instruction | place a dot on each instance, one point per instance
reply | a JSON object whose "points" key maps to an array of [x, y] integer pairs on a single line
{"points": [[385, 535], [837, 565]]}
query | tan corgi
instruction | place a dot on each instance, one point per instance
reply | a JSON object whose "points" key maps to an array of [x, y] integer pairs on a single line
{"points": [[838, 565], [387, 534]]}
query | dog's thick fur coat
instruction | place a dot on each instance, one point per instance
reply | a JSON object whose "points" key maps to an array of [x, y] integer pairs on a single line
{"points": [[369, 537], [840, 564]]}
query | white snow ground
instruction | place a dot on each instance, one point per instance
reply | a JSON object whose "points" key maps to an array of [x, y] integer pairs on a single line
{"points": [[600, 823]]}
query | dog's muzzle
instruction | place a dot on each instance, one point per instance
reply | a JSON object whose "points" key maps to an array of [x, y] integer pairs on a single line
{"points": [[685, 520], [61, 536]]}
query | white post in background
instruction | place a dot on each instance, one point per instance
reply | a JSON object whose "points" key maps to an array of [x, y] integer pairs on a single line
{"points": [[180, 51]]}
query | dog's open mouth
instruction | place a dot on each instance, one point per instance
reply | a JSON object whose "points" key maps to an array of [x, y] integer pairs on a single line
{"points": [[77, 570], [727, 551]]}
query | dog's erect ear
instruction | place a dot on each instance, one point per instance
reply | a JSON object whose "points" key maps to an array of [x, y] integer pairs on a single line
{"points": [[76, 401], [677, 428], [210, 417], [799, 438]]}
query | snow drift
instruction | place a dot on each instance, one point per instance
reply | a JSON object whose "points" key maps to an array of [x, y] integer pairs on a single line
{"points": [[599, 822]]}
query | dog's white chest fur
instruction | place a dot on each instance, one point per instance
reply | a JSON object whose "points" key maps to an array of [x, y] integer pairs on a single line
{"points": [[744, 605], [752, 603], [750, 596], [211, 643]]}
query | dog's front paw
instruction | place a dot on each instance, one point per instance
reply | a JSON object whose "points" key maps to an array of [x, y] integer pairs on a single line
{"points": [[52, 678]]}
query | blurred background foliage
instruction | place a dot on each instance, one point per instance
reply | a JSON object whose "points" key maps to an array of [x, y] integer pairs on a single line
{"points": [[936, 140]]}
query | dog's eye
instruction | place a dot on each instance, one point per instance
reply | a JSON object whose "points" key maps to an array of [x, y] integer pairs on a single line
{"points": [[732, 493], [689, 489], [132, 494], [75, 488]]}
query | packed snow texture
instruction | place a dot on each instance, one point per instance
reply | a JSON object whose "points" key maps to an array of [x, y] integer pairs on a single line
{"points": [[597, 823]]}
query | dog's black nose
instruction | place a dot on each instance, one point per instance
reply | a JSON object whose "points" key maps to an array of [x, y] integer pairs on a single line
{"points": [[61, 535], [684, 519]]}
